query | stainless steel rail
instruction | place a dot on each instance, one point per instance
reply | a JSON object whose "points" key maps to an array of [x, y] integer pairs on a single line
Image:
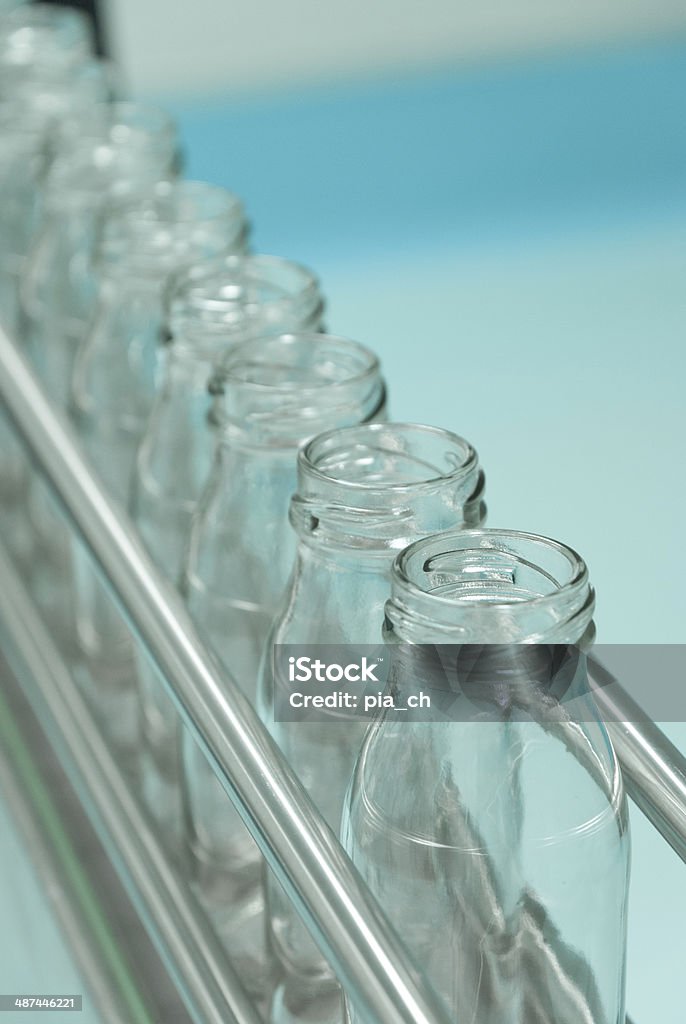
{"points": [[344, 919], [654, 769], [183, 935]]}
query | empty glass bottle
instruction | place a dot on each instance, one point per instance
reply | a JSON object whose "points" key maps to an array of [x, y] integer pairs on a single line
{"points": [[32, 118], [58, 292], [203, 322], [495, 834], [142, 245], [271, 395], [115, 379], [29, 116], [57, 299], [234, 299], [176, 452], [363, 494]]}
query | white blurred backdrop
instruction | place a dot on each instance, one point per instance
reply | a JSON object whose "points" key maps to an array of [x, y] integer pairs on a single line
{"points": [[216, 45]]}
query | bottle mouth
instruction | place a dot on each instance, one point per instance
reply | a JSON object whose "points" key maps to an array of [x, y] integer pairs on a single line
{"points": [[375, 457], [493, 586], [381, 485], [174, 225], [244, 296], [285, 388], [120, 124], [60, 103], [95, 174]]}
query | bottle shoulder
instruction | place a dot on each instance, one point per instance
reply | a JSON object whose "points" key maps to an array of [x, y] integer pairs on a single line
{"points": [[454, 785]]}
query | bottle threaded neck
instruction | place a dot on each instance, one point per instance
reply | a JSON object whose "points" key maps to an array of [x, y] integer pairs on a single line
{"points": [[232, 298], [276, 392], [490, 586], [174, 226], [95, 175], [382, 485]]}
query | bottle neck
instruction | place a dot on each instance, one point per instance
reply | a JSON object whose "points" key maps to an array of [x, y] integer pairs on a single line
{"points": [[367, 492], [492, 682], [495, 624], [490, 587], [237, 298], [272, 394]]}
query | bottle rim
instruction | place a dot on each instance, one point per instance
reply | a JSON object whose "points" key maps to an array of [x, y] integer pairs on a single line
{"points": [[242, 359], [93, 175], [205, 296], [173, 203], [570, 597], [451, 446], [119, 123]]}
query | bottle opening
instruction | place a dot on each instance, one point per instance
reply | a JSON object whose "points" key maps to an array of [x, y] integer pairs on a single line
{"points": [[285, 389], [246, 296], [493, 586], [175, 225], [383, 455]]}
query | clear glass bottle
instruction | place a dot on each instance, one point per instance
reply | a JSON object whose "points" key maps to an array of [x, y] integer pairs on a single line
{"points": [[495, 834], [49, 96], [115, 380], [57, 300], [142, 246], [237, 298], [122, 124], [173, 461], [58, 290], [271, 395], [363, 494], [28, 119]]}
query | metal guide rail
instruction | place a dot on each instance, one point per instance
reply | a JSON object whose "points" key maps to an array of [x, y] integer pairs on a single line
{"points": [[338, 909]]}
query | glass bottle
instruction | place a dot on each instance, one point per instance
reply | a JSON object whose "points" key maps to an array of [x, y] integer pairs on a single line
{"points": [[271, 395], [115, 380], [363, 494], [142, 245], [260, 294], [57, 300], [58, 291], [495, 833], [28, 120], [122, 124], [237, 298]]}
